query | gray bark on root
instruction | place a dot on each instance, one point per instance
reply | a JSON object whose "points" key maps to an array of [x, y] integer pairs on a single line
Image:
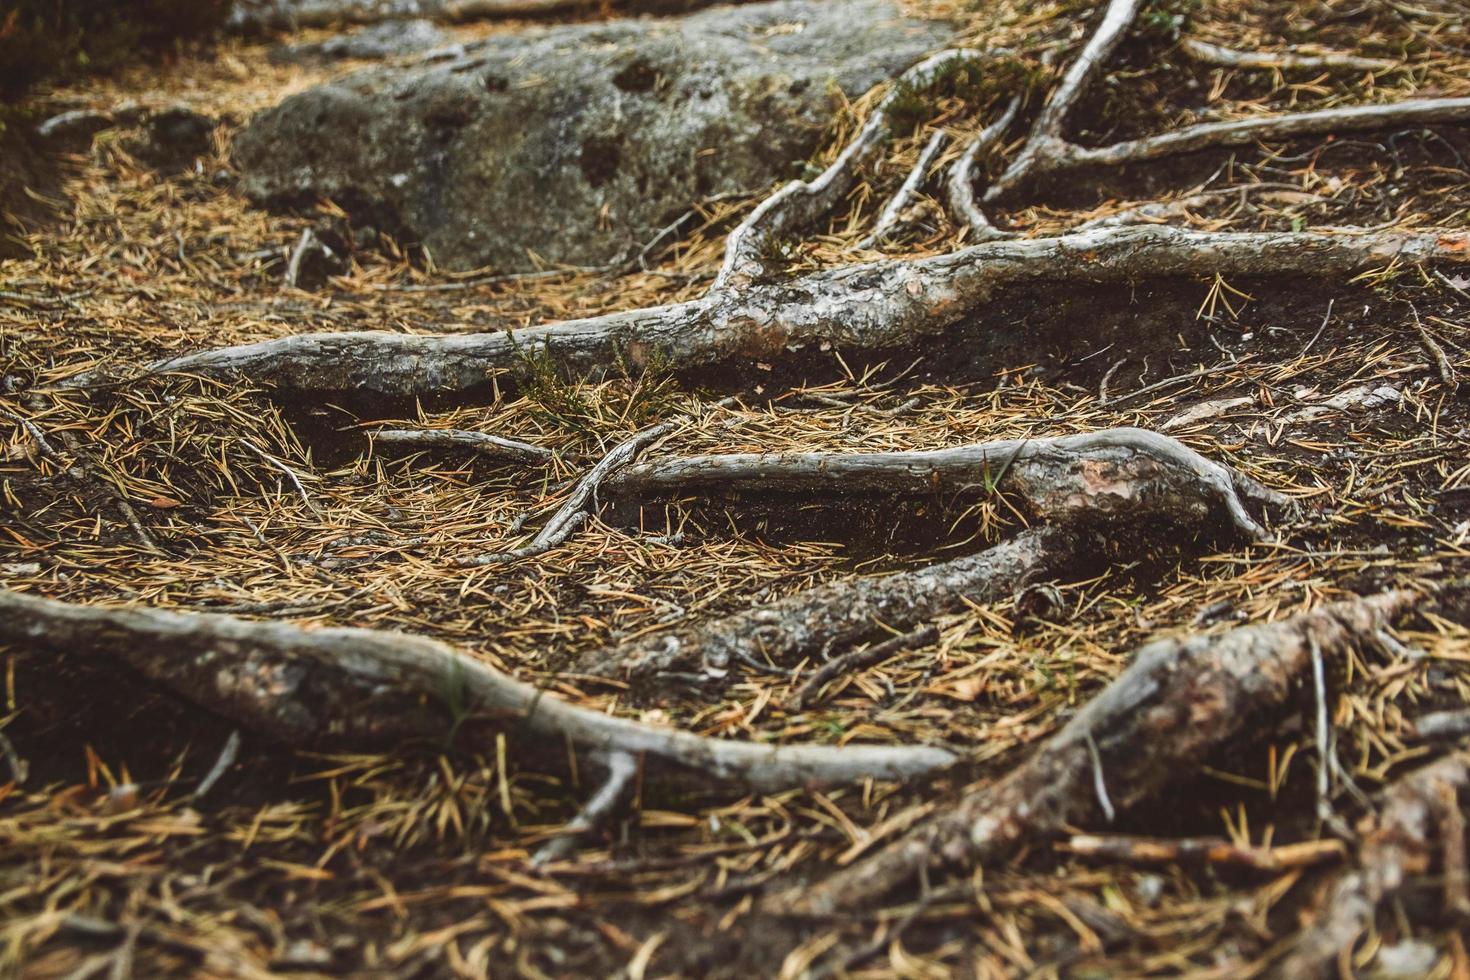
{"points": [[1397, 844], [1062, 155], [840, 614], [345, 686], [482, 443], [1170, 707], [1288, 60], [1120, 478], [802, 203], [868, 307], [1071, 480]]}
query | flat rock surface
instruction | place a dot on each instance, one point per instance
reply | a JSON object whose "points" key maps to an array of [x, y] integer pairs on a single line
{"points": [[577, 144]]}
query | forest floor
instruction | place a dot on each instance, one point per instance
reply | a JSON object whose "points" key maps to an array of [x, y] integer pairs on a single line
{"points": [[414, 860]]}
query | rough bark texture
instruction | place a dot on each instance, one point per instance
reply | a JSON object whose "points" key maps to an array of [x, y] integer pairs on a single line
{"points": [[1075, 480], [1159, 719], [348, 686], [867, 307], [1398, 844], [577, 144], [836, 616]]}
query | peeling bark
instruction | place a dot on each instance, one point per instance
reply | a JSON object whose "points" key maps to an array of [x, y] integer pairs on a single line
{"points": [[867, 307], [1398, 844], [841, 614], [1160, 718]]}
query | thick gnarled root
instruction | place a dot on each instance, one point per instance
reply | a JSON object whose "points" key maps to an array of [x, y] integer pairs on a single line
{"points": [[1175, 702]]}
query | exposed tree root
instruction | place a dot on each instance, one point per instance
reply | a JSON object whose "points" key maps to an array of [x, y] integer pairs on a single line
{"points": [[305, 687], [839, 615], [495, 447], [801, 203], [1418, 811], [622, 768], [1177, 700], [1046, 131], [1061, 155], [892, 213], [868, 307], [1288, 60], [1120, 477], [1071, 480]]}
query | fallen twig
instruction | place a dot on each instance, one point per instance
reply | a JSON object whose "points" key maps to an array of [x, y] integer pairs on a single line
{"points": [[483, 443], [1288, 60], [859, 660]]}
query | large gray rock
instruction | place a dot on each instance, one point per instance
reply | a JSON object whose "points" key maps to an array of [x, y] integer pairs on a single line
{"points": [[577, 143]]}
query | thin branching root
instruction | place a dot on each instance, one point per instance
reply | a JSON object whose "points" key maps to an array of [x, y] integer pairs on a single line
{"points": [[1420, 819]]}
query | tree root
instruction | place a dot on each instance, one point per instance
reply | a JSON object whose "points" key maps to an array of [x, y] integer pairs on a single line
{"points": [[960, 184], [1177, 700], [867, 307], [1399, 843], [1069, 480], [800, 204], [892, 213], [841, 614], [1074, 484], [1061, 155], [1288, 60], [305, 687]]}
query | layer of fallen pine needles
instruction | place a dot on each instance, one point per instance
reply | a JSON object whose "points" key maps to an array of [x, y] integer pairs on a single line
{"points": [[416, 859]]}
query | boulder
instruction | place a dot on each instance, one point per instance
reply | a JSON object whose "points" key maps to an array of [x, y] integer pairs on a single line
{"points": [[576, 144]]}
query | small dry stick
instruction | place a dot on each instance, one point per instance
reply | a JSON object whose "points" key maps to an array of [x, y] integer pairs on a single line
{"points": [[1442, 725], [227, 757], [1209, 850], [495, 447], [290, 474], [1288, 60], [19, 768], [575, 512], [861, 659]]}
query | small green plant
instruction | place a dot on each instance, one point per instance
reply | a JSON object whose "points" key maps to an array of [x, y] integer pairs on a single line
{"points": [[558, 400]]}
